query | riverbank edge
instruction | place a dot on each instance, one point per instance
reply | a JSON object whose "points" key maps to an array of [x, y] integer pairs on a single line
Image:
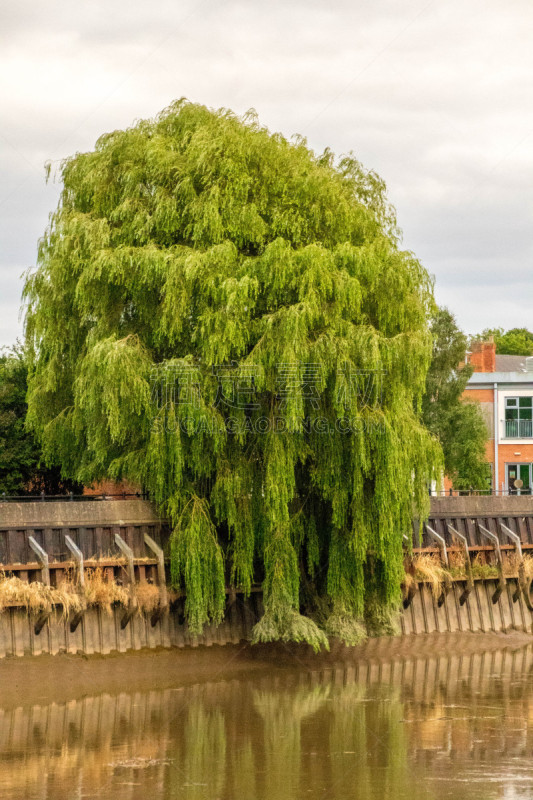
{"points": [[45, 679]]}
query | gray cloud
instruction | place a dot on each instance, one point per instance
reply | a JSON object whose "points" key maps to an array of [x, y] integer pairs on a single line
{"points": [[436, 96]]}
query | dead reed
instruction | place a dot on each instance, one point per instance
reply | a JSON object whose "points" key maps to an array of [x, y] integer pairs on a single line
{"points": [[35, 597], [148, 597], [429, 569], [101, 592]]}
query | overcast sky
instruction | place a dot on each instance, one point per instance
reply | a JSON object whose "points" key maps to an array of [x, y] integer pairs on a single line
{"points": [[437, 97]]}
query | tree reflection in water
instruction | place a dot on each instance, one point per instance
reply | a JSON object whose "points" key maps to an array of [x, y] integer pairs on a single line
{"points": [[422, 729], [282, 713]]}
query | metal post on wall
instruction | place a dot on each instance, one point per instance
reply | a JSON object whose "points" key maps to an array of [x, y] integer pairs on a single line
{"points": [[468, 564], [496, 541], [163, 594], [42, 555], [78, 558], [444, 556], [132, 605]]}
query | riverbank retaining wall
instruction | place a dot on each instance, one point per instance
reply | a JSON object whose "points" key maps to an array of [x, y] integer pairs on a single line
{"points": [[94, 526], [102, 633]]}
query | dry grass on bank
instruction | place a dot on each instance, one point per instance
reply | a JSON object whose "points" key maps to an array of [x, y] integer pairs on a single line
{"points": [[528, 566], [99, 592], [511, 566], [428, 568], [36, 597], [148, 597], [478, 566]]}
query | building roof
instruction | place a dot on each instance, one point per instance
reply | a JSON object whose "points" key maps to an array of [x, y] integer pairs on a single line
{"points": [[510, 364], [488, 379]]}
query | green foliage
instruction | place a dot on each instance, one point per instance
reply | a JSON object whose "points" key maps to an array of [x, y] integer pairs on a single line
{"points": [[458, 424], [20, 469], [199, 242], [381, 620], [197, 560], [514, 342], [282, 623], [345, 627]]}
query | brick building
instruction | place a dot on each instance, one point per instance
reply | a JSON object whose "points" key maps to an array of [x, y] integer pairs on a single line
{"points": [[503, 385]]}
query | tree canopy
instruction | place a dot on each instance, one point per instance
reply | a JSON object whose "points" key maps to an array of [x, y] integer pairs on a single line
{"points": [[21, 470], [514, 342], [457, 423], [227, 318]]}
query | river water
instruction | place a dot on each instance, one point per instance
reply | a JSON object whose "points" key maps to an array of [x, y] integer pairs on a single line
{"points": [[420, 725]]}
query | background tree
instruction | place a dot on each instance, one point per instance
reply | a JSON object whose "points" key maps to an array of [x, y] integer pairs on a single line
{"points": [[457, 423], [514, 342], [212, 315], [20, 469]]}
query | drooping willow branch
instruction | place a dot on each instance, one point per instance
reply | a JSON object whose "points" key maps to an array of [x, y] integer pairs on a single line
{"points": [[227, 319]]}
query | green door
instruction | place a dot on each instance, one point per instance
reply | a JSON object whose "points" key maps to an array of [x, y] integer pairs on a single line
{"points": [[520, 472], [525, 477]]}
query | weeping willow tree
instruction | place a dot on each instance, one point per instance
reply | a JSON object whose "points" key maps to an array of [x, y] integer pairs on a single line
{"points": [[227, 319]]}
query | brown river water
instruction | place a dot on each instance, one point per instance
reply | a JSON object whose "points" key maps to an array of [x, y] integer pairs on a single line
{"points": [[429, 717]]}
